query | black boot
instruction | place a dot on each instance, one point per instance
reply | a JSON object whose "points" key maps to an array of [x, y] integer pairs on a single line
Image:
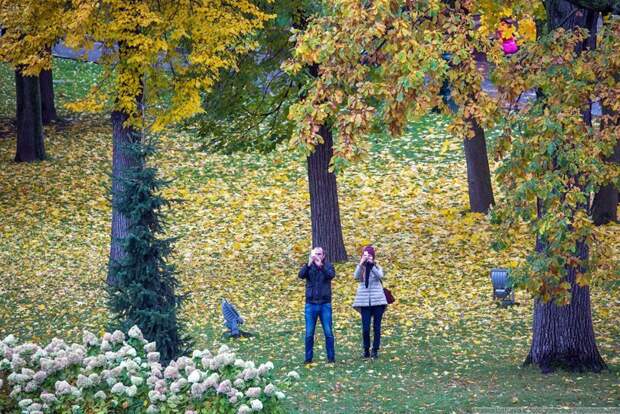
{"points": [[374, 353], [366, 353]]}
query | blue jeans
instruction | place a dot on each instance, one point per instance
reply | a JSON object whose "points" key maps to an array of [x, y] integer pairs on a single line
{"points": [[376, 312], [324, 312]]}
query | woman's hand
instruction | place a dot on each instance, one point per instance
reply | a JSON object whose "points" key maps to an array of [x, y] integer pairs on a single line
{"points": [[364, 258]]}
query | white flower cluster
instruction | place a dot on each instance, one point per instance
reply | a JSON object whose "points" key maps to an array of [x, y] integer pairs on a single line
{"points": [[117, 370]]}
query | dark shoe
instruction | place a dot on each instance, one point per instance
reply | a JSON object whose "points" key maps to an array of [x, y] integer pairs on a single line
{"points": [[374, 354], [307, 361], [331, 361], [366, 354]]}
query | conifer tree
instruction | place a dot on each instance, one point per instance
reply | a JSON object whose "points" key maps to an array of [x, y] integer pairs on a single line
{"points": [[145, 293]]}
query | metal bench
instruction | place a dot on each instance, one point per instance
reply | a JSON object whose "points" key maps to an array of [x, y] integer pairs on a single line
{"points": [[232, 320], [502, 286]]}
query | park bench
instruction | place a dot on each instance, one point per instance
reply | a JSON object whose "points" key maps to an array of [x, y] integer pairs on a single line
{"points": [[502, 286], [232, 320]]}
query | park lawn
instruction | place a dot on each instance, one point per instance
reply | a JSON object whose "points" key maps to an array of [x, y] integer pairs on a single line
{"points": [[244, 230]]}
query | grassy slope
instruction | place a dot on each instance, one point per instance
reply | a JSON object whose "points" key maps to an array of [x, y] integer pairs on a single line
{"points": [[244, 230]]}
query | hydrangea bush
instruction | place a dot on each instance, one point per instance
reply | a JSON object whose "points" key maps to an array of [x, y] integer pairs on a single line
{"points": [[122, 374]]}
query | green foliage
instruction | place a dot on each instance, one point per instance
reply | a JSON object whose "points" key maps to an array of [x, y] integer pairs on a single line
{"points": [[385, 60], [552, 159], [248, 107], [145, 294]]}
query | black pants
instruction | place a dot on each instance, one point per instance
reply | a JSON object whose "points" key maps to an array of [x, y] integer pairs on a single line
{"points": [[376, 313]]}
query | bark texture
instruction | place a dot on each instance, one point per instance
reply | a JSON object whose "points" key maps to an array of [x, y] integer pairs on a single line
{"points": [[564, 335], [602, 6], [478, 172], [121, 161], [605, 205], [324, 208], [48, 108], [30, 145]]}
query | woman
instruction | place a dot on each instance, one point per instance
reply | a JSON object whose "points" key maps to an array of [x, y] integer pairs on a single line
{"points": [[370, 300]]}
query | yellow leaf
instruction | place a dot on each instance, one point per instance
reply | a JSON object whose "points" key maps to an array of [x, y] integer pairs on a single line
{"points": [[527, 29]]}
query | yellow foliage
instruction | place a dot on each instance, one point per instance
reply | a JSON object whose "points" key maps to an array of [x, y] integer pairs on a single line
{"points": [[164, 53], [527, 29], [246, 209], [31, 28], [507, 31]]}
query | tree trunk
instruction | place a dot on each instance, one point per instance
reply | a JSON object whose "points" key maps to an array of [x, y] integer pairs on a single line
{"points": [[605, 205], [324, 209], [603, 6], [48, 109], [122, 136], [563, 336], [478, 172], [30, 146]]}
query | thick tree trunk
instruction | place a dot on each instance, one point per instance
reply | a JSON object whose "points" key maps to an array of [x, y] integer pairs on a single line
{"points": [[605, 205], [563, 336], [48, 109], [30, 146], [563, 13], [324, 209], [121, 161], [478, 172], [603, 6]]}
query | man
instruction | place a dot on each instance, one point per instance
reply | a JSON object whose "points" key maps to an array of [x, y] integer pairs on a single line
{"points": [[318, 273]]}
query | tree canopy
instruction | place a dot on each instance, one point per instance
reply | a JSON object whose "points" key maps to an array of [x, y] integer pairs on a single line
{"points": [[385, 61], [30, 29], [162, 52]]}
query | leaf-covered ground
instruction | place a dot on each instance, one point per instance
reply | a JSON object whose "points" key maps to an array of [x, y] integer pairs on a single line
{"points": [[244, 230]]}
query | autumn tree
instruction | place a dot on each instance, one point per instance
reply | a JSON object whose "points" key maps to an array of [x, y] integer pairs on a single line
{"points": [[248, 109], [30, 30], [384, 60], [553, 167], [375, 76], [605, 203], [158, 57]]}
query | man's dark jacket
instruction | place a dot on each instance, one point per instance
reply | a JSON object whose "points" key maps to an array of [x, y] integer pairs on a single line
{"points": [[318, 282]]}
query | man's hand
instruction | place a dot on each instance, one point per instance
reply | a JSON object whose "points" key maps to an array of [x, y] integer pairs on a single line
{"points": [[316, 257]]}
